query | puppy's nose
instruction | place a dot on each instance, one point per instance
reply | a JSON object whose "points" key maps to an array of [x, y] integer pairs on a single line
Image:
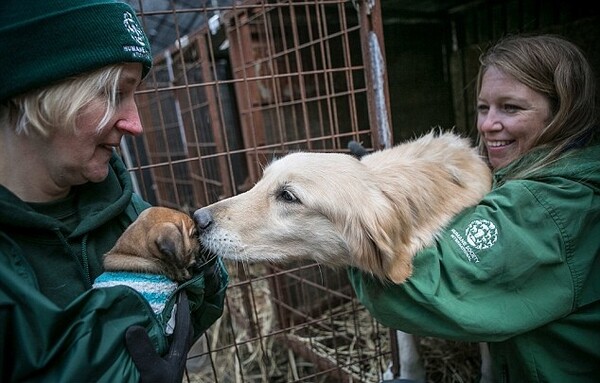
{"points": [[202, 218]]}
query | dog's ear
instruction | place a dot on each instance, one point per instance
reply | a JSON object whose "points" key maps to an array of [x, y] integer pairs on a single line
{"points": [[172, 245], [168, 240], [383, 244], [173, 241], [391, 248]]}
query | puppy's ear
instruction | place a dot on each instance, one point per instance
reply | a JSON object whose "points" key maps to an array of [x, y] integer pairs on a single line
{"points": [[168, 240], [171, 244]]}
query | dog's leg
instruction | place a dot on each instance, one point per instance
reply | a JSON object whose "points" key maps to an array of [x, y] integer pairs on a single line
{"points": [[196, 364], [411, 364], [486, 363]]}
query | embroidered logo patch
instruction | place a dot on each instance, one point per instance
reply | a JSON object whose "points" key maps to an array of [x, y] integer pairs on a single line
{"points": [[134, 29], [480, 234], [140, 50]]}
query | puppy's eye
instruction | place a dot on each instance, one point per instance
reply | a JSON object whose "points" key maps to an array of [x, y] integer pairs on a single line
{"points": [[287, 196]]}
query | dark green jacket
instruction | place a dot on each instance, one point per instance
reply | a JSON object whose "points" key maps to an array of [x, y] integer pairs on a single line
{"points": [[53, 327], [520, 270]]}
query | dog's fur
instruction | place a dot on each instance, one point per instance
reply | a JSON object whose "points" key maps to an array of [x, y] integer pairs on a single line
{"points": [[160, 241], [374, 213]]}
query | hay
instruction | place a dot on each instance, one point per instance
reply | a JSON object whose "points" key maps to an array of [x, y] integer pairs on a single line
{"points": [[449, 361], [346, 336]]}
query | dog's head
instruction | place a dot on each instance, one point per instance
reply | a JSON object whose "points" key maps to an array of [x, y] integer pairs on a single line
{"points": [[320, 206], [160, 241]]}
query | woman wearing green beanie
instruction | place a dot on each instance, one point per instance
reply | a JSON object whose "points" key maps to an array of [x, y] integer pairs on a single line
{"points": [[69, 71]]}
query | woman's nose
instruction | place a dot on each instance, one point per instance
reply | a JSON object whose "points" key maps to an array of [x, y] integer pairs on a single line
{"points": [[488, 121], [129, 121]]}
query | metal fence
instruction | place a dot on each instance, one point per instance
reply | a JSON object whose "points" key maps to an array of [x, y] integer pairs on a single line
{"points": [[234, 85]]}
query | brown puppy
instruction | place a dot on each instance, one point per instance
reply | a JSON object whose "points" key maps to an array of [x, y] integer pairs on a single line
{"points": [[374, 213], [161, 241]]}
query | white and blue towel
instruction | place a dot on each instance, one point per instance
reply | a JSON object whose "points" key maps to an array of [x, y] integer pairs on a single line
{"points": [[157, 289]]}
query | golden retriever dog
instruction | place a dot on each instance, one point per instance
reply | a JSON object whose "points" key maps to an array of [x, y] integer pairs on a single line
{"points": [[373, 213]]}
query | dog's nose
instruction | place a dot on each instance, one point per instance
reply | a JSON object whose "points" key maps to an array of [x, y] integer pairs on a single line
{"points": [[202, 218]]}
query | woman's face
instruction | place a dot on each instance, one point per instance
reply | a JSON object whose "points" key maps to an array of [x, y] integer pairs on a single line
{"points": [[82, 156], [510, 116]]}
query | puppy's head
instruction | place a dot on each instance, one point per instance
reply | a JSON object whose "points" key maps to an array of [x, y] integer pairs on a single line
{"points": [[160, 241]]}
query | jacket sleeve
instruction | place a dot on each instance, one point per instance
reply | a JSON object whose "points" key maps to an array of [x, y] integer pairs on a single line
{"points": [[498, 269], [84, 341]]}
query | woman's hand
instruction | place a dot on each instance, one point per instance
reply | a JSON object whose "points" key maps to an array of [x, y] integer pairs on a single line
{"points": [[152, 367]]}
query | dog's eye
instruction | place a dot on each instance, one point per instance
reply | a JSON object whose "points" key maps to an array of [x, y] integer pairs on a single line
{"points": [[288, 196]]}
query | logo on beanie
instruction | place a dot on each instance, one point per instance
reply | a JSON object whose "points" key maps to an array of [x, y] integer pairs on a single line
{"points": [[134, 29], [136, 34]]}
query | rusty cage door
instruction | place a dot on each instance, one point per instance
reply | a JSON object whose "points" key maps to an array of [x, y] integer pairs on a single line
{"points": [[256, 80]]}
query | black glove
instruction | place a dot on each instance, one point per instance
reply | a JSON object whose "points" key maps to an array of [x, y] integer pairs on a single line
{"points": [[152, 367], [212, 277]]}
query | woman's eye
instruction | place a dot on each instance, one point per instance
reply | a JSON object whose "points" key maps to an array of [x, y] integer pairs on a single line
{"points": [[511, 108], [124, 93]]}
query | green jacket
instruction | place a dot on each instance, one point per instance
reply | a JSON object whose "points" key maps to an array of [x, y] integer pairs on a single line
{"points": [[53, 326], [521, 270]]}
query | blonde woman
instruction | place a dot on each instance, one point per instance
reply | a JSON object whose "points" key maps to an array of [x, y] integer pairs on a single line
{"points": [[66, 101]]}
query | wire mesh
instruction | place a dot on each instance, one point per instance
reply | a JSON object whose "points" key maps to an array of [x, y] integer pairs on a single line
{"points": [[234, 85]]}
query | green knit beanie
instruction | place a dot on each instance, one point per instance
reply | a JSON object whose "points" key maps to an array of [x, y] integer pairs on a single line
{"points": [[45, 41]]}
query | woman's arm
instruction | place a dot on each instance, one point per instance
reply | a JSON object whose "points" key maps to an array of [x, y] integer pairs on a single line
{"points": [[497, 270]]}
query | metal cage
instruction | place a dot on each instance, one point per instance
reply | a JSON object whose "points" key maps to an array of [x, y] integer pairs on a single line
{"points": [[248, 82]]}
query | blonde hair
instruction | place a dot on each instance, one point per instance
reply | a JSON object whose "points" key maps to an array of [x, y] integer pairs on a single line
{"points": [[559, 70], [57, 106]]}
